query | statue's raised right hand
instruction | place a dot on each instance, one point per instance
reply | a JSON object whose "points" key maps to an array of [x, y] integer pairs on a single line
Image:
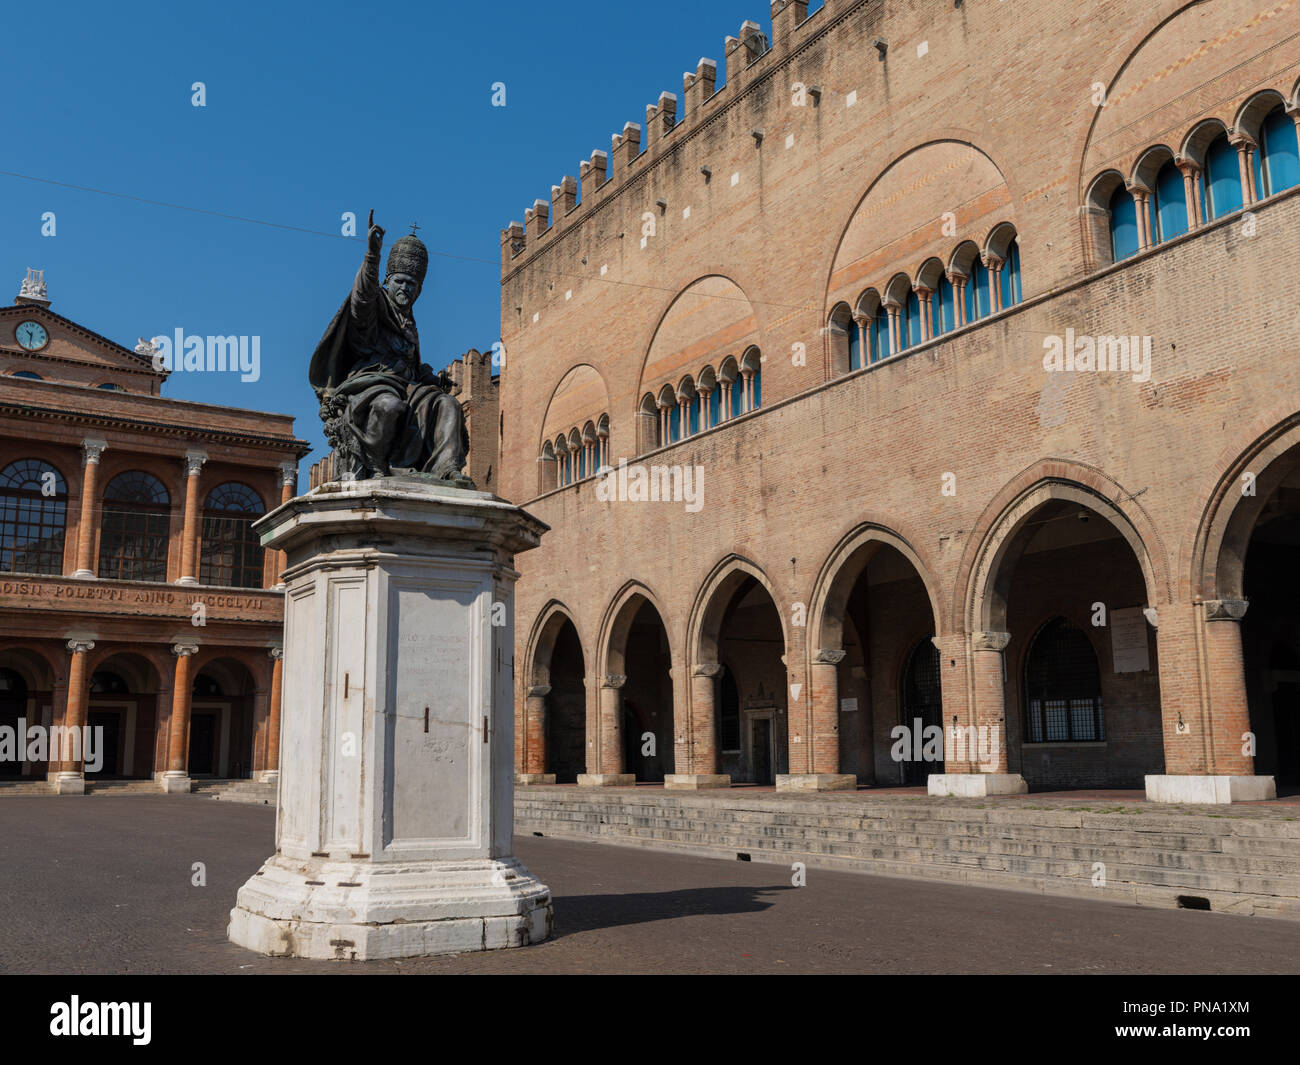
{"points": [[375, 235]]}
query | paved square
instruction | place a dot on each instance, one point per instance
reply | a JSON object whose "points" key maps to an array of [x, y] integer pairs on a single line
{"points": [[102, 884]]}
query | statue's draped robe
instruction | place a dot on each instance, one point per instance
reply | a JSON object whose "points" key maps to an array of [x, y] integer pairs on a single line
{"points": [[370, 357]]}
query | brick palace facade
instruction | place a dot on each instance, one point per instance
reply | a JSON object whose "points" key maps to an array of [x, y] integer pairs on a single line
{"points": [[842, 304]]}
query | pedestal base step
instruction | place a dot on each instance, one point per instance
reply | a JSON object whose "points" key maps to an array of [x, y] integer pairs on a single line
{"points": [[816, 782], [1209, 789], [606, 780], [696, 781], [976, 785], [360, 910]]}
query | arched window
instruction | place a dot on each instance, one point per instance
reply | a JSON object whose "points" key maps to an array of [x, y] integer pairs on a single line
{"points": [[881, 347], [547, 474], [648, 423], [1223, 178], [1123, 224], [133, 531], [943, 307], [109, 386], [912, 334], [1010, 278], [1062, 687], [1278, 153], [1169, 202], [982, 286], [232, 552], [33, 515], [1002, 247]]}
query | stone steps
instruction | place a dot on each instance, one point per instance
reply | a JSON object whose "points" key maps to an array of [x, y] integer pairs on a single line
{"points": [[1277, 855], [1242, 863], [122, 787], [25, 787], [249, 791]]}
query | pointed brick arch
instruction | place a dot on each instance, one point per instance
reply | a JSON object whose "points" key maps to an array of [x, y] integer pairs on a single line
{"points": [[979, 606]]}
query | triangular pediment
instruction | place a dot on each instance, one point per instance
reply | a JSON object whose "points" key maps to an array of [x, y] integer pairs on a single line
{"points": [[65, 342]]}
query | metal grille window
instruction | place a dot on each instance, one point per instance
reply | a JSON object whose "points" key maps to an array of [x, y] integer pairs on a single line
{"points": [[923, 699], [1062, 687], [33, 516], [232, 553], [133, 535]]}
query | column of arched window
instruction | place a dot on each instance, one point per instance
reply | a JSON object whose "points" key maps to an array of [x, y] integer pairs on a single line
{"points": [[729, 387], [232, 551], [751, 373], [602, 442], [33, 517], [707, 386], [1062, 687], [577, 457], [134, 528], [688, 407]]}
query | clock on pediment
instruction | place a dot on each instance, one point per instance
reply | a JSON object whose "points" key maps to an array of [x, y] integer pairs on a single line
{"points": [[31, 335]]}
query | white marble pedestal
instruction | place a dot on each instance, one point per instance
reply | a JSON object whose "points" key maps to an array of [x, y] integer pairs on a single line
{"points": [[393, 834]]}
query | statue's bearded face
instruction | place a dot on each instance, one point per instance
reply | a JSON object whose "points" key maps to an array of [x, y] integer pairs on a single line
{"points": [[404, 290]]}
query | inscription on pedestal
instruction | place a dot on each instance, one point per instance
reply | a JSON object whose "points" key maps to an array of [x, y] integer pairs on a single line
{"points": [[433, 727]]}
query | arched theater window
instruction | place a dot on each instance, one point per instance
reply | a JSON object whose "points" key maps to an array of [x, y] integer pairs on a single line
{"points": [[133, 531], [232, 552], [33, 515]]}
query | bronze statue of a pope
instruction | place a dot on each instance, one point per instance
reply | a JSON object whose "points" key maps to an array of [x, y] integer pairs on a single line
{"points": [[384, 410]]}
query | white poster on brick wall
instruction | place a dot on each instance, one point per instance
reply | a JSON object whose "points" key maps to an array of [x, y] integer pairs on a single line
{"points": [[1128, 640]]}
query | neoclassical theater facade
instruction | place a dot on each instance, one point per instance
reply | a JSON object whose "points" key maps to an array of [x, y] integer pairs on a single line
{"points": [[945, 356], [134, 597]]}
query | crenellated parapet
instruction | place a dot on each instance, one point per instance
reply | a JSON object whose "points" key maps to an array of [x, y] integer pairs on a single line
{"points": [[747, 57]]}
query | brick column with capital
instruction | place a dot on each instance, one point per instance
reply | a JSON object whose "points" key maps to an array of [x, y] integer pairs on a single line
{"points": [[87, 526], [1215, 728], [177, 777], [609, 750], [271, 774], [533, 770], [288, 483], [990, 775], [821, 755], [194, 461], [701, 748], [69, 778]]}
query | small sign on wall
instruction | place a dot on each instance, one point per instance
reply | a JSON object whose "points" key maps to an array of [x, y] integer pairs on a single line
{"points": [[848, 706], [1128, 640]]}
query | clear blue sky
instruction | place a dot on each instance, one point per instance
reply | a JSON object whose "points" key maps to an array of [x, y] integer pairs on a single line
{"points": [[311, 110]]}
